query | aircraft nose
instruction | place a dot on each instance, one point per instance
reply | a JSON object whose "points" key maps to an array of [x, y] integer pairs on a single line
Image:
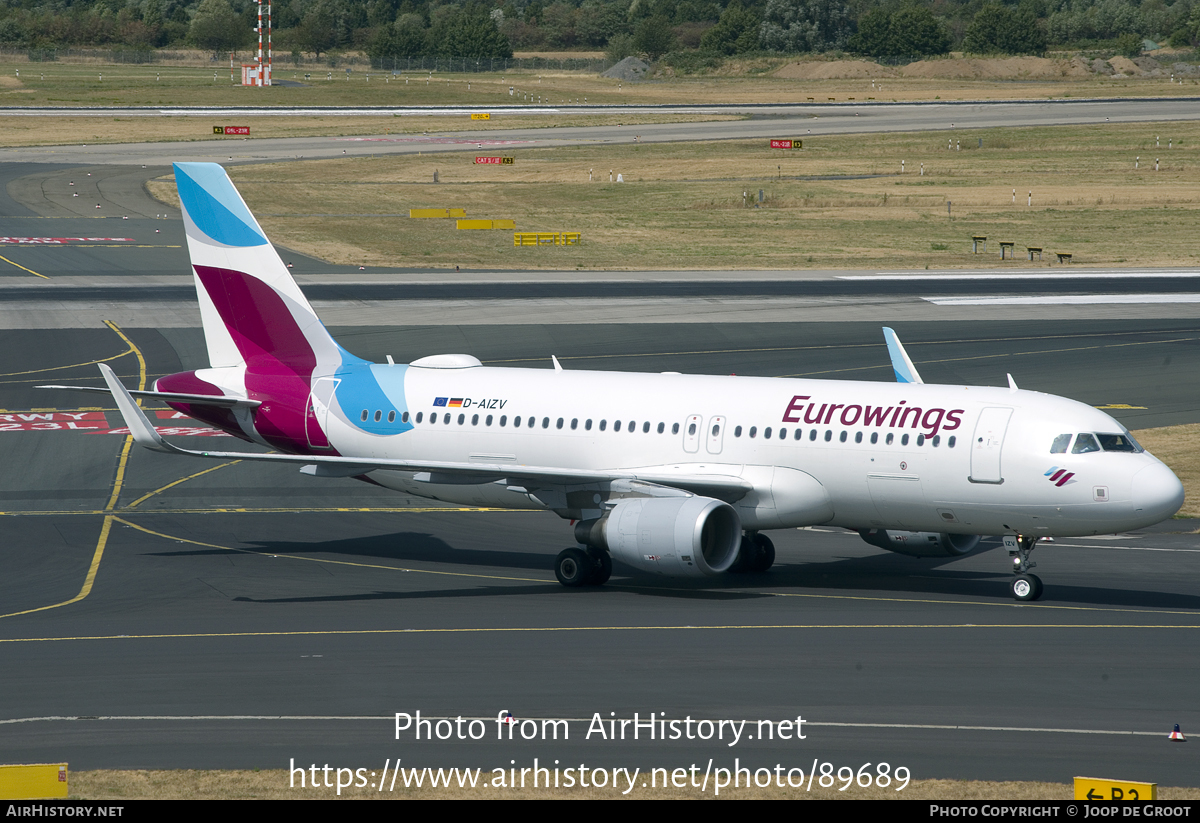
{"points": [[1157, 492]]}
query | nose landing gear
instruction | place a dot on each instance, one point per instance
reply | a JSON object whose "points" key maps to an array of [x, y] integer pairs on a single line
{"points": [[1025, 586]]}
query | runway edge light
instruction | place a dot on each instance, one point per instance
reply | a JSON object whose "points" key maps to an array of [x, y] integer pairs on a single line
{"points": [[1177, 735], [33, 781]]}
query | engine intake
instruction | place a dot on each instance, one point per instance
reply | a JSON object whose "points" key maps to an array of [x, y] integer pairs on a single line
{"points": [[674, 536], [921, 544]]}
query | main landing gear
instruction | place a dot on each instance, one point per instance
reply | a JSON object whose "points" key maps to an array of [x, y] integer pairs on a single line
{"points": [[1025, 586], [579, 567], [757, 553]]}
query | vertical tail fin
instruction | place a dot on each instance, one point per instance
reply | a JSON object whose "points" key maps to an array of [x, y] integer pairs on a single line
{"points": [[251, 307]]}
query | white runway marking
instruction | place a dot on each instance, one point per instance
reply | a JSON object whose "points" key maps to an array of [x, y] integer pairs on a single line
{"points": [[389, 719], [1063, 299]]}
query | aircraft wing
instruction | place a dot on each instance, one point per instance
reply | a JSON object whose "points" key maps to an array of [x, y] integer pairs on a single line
{"points": [[726, 487]]}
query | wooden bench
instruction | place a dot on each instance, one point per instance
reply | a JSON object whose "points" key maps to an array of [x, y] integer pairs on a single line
{"points": [[1034, 250], [1063, 258], [1007, 248], [976, 240]]}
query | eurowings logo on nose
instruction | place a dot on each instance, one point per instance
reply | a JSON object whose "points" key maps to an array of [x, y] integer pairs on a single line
{"points": [[1060, 477]]}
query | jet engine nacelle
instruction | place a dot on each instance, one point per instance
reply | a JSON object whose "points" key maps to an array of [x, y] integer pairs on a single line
{"points": [[675, 536], [921, 544]]}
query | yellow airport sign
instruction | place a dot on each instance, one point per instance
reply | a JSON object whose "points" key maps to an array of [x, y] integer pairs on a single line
{"points": [[481, 116], [33, 781], [487, 224], [436, 213], [1095, 788]]}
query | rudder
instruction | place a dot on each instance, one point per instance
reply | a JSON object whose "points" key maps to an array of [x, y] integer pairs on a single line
{"points": [[250, 306]]}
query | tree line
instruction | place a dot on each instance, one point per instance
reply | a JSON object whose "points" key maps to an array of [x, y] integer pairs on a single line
{"points": [[650, 28]]}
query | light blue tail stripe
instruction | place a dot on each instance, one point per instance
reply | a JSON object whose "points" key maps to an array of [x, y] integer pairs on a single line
{"points": [[213, 204]]}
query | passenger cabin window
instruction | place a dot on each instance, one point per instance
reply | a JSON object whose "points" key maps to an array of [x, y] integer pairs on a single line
{"points": [[661, 427], [799, 434], [1085, 443], [1061, 443], [737, 431], [692, 430], [674, 428], [420, 415]]}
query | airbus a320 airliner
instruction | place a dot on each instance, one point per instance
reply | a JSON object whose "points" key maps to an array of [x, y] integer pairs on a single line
{"points": [[671, 473]]}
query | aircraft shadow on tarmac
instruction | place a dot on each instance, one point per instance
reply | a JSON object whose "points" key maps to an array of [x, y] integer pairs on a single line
{"points": [[882, 574]]}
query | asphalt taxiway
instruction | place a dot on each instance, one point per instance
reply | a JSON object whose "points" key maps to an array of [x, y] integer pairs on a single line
{"points": [[165, 613]]}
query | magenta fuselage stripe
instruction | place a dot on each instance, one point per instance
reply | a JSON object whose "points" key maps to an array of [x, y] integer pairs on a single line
{"points": [[279, 359]]}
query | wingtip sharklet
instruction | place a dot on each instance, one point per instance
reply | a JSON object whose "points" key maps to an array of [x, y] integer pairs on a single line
{"points": [[902, 364], [135, 419]]}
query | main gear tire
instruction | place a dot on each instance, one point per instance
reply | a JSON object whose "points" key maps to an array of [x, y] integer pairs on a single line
{"points": [[573, 568]]}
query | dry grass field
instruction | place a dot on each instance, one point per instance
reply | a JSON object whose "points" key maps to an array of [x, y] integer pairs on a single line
{"points": [[274, 785], [840, 202]]}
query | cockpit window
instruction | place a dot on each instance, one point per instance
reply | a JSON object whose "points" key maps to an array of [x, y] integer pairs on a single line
{"points": [[1117, 443], [1061, 443], [1085, 443]]}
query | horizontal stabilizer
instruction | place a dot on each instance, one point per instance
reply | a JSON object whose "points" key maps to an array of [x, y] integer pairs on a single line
{"points": [[172, 397]]}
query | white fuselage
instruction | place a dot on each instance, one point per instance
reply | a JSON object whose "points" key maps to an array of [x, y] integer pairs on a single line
{"points": [[957, 459]]}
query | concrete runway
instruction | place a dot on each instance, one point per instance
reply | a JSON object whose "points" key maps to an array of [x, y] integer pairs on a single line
{"points": [[244, 615]]}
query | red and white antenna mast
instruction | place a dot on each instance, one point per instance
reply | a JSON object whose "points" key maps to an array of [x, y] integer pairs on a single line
{"points": [[264, 70]]}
